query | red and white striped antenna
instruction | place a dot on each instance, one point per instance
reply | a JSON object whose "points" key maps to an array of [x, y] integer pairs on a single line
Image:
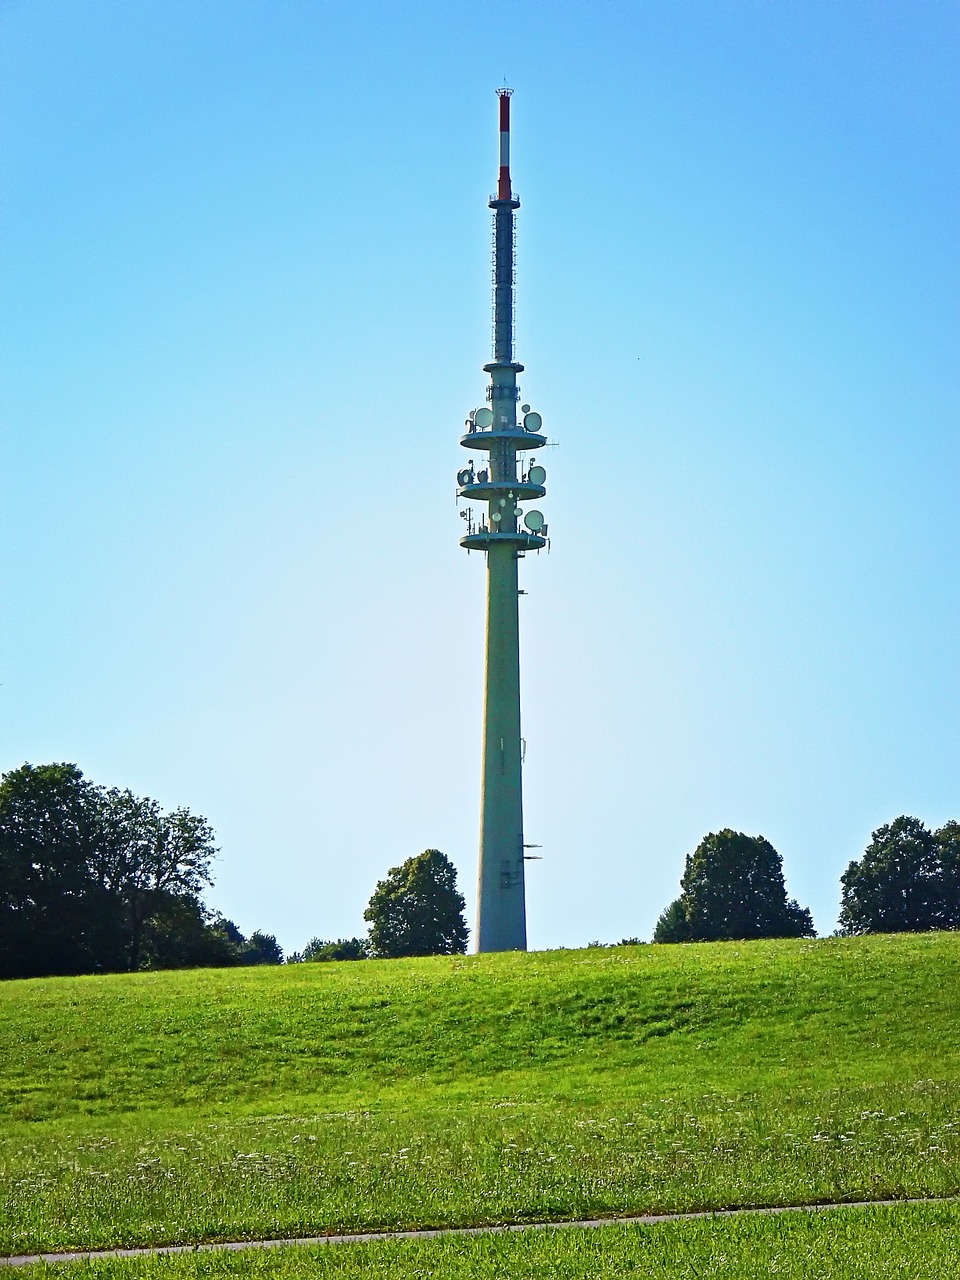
{"points": [[503, 184]]}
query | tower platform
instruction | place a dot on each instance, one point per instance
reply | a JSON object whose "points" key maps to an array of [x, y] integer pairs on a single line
{"points": [[516, 436], [491, 490], [483, 540]]}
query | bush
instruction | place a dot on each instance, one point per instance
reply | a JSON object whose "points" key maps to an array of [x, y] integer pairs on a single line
{"points": [[343, 949]]}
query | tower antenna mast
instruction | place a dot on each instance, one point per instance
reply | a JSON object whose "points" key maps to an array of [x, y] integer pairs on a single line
{"points": [[503, 480]]}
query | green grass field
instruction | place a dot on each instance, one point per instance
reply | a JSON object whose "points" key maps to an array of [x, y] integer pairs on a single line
{"points": [[917, 1241], [274, 1102]]}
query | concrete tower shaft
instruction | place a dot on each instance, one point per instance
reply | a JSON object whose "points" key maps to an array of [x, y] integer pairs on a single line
{"points": [[502, 483]]}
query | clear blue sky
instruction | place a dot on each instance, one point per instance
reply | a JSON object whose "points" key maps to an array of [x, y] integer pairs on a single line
{"points": [[245, 301]]}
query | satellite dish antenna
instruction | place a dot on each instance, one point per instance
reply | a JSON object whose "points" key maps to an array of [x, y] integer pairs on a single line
{"points": [[482, 477], [537, 475], [532, 422], [464, 476], [534, 521], [483, 417], [524, 408], [495, 516]]}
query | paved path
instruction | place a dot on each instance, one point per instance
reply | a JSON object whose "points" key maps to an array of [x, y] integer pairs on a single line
{"points": [[365, 1237]]}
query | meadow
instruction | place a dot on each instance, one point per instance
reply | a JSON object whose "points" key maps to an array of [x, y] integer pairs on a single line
{"points": [[244, 1103]]}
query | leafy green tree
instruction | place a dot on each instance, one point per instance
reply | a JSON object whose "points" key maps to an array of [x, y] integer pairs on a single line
{"points": [[181, 934], [672, 924], [50, 827], [417, 910], [225, 945], [231, 935], [261, 948], [948, 843], [907, 881], [342, 949], [144, 858], [732, 887]]}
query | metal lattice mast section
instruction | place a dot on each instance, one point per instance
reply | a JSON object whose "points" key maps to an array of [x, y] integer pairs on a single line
{"points": [[502, 483]]}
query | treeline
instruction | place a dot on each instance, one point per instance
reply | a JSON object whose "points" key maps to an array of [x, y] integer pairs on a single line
{"points": [[94, 879], [98, 880]]}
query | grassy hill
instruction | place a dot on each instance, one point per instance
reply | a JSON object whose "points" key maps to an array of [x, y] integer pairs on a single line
{"points": [[274, 1102]]}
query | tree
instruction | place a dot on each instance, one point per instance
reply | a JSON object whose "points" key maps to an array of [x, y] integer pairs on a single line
{"points": [[228, 946], [261, 948], [417, 910], [146, 856], [49, 829], [948, 843], [181, 934], [908, 880], [672, 924], [732, 887]]}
